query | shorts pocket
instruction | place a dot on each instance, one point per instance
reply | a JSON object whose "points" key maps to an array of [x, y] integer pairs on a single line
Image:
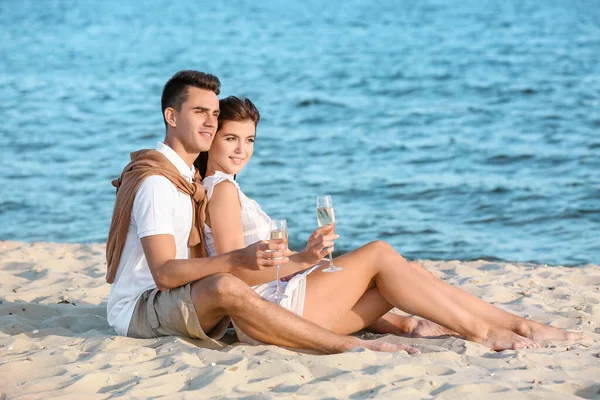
{"points": [[151, 311]]}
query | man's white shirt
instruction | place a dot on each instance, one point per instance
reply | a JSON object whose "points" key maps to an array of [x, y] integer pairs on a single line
{"points": [[158, 208]]}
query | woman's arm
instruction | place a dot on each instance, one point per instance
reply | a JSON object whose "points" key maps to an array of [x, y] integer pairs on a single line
{"points": [[225, 217]]}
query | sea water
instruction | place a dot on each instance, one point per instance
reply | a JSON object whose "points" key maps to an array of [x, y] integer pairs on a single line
{"points": [[452, 130]]}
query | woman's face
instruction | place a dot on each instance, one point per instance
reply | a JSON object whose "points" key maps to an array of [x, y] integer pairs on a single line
{"points": [[232, 147]]}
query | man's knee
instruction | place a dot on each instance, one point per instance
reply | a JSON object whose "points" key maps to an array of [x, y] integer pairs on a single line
{"points": [[223, 289]]}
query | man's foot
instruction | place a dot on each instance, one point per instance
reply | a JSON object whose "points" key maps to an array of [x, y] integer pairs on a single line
{"points": [[503, 339], [381, 345], [537, 331]]}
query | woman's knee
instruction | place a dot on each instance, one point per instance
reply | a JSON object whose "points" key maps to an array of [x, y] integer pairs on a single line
{"points": [[381, 247], [386, 255]]}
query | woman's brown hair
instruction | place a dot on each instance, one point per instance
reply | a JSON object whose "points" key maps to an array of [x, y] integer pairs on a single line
{"points": [[232, 109]]}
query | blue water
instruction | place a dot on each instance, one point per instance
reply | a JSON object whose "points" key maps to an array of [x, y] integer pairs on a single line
{"points": [[452, 130]]}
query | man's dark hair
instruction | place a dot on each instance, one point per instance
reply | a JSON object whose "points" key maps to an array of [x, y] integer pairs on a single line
{"points": [[175, 92]]}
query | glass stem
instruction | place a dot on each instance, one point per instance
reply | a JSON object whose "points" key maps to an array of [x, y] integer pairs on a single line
{"points": [[330, 260], [278, 287]]}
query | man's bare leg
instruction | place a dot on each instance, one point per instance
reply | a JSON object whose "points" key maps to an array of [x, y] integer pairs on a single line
{"points": [[375, 266], [221, 294]]}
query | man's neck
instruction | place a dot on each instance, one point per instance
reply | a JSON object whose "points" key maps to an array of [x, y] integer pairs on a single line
{"points": [[178, 148]]}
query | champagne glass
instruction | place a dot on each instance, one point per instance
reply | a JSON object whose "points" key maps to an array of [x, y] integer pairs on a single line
{"points": [[326, 215], [279, 231]]}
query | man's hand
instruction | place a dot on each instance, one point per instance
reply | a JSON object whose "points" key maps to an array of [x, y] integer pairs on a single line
{"points": [[320, 243], [262, 255]]}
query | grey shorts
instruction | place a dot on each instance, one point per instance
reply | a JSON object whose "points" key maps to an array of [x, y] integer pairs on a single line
{"points": [[170, 312]]}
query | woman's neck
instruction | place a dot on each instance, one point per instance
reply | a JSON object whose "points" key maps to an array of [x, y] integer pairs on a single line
{"points": [[211, 169]]}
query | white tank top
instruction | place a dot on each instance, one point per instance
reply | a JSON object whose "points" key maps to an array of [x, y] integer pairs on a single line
{"points": [[255, 222]]}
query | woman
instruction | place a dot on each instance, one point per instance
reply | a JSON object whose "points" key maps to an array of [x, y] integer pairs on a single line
{"points": [[374, 279]]}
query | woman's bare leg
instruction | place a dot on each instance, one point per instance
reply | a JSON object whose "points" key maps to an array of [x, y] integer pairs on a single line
{"points": [[369, 308], [219, 295], [330, 296], [371, 305], [494, 315]]}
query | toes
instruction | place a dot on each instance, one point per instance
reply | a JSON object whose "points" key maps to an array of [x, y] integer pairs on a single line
{"points": [[533, 345], [408, 349]]}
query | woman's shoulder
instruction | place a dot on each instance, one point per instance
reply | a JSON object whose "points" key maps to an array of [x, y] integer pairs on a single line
{"points": [[211, 182], [218, 177]]}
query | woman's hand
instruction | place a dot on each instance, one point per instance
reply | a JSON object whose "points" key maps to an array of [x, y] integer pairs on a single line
{"points": [[320, 243]]}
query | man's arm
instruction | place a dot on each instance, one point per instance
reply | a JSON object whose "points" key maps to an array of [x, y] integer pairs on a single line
{"points": [[153, 214], [169, 272]]}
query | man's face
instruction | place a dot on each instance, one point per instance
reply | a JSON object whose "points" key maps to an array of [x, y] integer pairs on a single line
{"points": [[196, 122]]}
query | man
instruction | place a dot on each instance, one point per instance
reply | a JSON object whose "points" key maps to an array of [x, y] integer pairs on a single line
{"points": [[157, 289]]}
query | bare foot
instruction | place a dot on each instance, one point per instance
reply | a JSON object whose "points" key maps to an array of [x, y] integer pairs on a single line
{"points": [[408, 326], [503, 339], [424, 328], [381, 345], [538, 331]]}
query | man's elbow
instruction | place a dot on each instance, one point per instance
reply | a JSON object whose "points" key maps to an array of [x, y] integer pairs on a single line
{"points": [[163, 287], [162, 279]]}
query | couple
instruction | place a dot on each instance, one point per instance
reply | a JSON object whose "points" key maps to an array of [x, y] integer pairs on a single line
{"points": [[185, 256]]}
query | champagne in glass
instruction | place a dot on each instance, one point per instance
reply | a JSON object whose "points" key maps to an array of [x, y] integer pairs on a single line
{"points": [[279, 235], [326, 215], [278, 232]]}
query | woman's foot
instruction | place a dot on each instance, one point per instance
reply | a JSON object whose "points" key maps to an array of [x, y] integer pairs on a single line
{"points": [[409, 326], [538, 331], [381, 345], [424, 328], [503, 339]]}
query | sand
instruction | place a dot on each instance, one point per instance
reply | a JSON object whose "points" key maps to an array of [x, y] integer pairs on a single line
{"points": [[55, 342]]}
